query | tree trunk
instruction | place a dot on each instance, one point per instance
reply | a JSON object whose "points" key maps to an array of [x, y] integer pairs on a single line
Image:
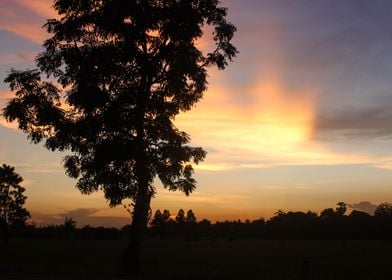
{"points": [[4, 228], [6, 234], [132, 255], [4, 231]]}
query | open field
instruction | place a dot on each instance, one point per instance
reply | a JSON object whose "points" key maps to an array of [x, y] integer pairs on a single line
{"points": [[178, 259]]}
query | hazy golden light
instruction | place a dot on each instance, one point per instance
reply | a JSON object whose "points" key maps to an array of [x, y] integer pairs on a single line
{"points": [[277, 118], [272, 121]]}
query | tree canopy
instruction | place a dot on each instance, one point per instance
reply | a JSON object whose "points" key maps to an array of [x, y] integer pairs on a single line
{"points": [[120, 72]]}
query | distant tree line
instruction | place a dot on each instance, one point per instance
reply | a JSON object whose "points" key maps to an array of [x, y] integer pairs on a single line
{"points": [[329, 224], [67, 230]]}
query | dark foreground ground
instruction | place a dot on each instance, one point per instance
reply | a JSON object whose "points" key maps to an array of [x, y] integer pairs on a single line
{"points": [[178, 259]]}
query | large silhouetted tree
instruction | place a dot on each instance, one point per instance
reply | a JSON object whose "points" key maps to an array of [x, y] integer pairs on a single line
{"points": [[12, 199], [121, 70]]}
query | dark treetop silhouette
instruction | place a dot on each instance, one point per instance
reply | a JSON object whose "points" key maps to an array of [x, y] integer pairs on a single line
{"points": [[124, 69], [12, 211]]}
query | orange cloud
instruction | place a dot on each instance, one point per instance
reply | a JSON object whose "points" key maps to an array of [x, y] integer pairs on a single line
{"points": [[6, 124], [6, 95]]}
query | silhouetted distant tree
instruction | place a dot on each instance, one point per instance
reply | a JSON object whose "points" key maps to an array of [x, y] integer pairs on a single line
{"points": [[12, 200], [69, 223], [341, 208], [124, 70], [159, 222], [292, 224], [157, 219], [359, 214], [180, 217], [327, 213], [166, 215], [384, 210], [191, 227], [190, 217], [69, 227]]}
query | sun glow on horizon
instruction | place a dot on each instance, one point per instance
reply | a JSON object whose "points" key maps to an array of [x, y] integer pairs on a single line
{"points": [[273, 121]]}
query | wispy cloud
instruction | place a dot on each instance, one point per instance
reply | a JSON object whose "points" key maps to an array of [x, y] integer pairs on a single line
{"points": [[365, 206], [17, 57], [25, 18], [273, 128], [356, 123], [83, 217], [30, 31], [44, 8], [29, 166], [79, 213]]}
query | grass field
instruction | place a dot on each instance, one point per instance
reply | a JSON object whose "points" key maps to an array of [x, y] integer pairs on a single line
{"points": [[178, 259]]}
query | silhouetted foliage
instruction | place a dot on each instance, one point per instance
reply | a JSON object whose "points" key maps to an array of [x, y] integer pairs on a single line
{"points": [[180, 217], [69, 224], [283, 226], [190, 217], [159, 222], [384, 210], [124, 70], [157, 219], [69, 227], [12, 199], [341, 208], [328, 213], [63, 232]]}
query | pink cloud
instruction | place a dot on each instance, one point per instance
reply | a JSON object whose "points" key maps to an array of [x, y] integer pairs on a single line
{"points": [[4, 12], [30, 31], [41, 7], [25, 18], [18, 57]]}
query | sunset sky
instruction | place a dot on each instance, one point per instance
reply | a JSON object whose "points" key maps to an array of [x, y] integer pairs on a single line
{"points": [[299, 121]]}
